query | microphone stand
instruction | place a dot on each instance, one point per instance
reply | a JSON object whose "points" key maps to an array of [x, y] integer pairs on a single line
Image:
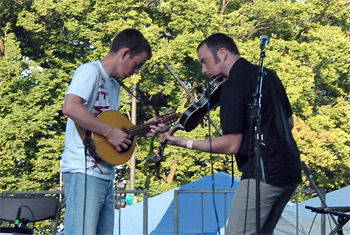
{"points": [[258, 137]]}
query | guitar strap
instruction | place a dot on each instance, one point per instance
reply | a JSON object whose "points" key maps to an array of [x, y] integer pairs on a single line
{"points": [[89, 144]]}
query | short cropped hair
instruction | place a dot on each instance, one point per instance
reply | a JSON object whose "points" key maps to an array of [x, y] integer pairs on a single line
{"points": [[219, 40], [132, 39]]}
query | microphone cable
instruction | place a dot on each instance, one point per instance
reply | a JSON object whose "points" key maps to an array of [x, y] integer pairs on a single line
{"points": [[250, 140], [212, 162], [85, 187], [248, 183], [23, 222]]}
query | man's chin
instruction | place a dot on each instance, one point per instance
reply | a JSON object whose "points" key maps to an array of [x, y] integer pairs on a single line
{"points": [[123, 77], [127, 76]]}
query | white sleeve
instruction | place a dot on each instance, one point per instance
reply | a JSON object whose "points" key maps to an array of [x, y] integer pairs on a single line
{"points": [[84, 82]]}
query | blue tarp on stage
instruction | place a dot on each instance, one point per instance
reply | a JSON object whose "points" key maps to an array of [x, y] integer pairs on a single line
{"points": [[129, 221]]}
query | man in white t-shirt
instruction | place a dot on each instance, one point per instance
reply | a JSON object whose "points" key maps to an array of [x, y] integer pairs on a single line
{"points": [[88, 184]]}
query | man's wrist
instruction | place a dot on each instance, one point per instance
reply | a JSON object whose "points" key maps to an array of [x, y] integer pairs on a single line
{"points": [[189, 144]]}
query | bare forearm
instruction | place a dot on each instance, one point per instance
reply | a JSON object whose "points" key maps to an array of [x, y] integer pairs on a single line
{"points": [[227, 144], [82, 117]]}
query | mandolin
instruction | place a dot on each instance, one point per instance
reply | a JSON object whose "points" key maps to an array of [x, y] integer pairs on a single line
{"points": [[107, 152]]}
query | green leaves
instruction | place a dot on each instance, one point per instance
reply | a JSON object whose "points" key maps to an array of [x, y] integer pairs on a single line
{"points": [[43, 42]]}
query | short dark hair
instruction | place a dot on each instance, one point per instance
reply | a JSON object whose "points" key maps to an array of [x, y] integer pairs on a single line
{"points": [[132, 39], [219, 40]]}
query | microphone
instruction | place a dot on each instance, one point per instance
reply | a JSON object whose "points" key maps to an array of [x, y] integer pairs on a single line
{"points": [[264, 40], [18, 217]]}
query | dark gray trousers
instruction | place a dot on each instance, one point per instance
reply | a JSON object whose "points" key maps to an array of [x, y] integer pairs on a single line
{"points": [[272, 202]]}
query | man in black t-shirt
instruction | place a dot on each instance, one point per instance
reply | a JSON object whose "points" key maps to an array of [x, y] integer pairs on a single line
{"points": [[281, 173]]}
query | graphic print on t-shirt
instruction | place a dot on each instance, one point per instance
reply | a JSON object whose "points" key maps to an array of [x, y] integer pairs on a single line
{"points": [[102, 103]]}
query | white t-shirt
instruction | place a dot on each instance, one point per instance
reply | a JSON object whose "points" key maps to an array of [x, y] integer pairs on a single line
{"points": [[101, 92]]}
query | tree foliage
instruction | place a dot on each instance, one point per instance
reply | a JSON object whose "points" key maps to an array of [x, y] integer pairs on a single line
{"points": [[43, 41]]}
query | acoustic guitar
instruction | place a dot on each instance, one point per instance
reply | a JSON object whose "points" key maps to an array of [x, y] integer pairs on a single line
{"points": [[117, 120]]}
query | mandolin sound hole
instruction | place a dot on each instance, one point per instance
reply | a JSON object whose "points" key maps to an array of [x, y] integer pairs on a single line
{"points": [[129, 146], [125, 149]]}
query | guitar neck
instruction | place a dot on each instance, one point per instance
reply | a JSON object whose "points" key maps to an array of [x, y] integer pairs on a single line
{"points": [[140, 129], [144, 128]]}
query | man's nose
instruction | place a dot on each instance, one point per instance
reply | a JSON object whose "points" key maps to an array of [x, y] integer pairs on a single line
{"points": [[204, 70], [136, 71]]}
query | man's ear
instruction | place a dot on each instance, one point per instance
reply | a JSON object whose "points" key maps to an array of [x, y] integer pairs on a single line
{"points": [[222, 53], [125, 53]]}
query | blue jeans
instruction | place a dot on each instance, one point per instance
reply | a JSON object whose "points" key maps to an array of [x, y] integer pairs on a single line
{"points": [[90, 212]]}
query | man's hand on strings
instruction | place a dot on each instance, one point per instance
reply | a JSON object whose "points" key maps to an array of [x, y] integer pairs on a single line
{"points": [[156, 128], [118, 138]]}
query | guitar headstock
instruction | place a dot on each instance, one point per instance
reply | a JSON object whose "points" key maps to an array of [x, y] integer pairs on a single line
{"points": [[169, 118], [166, 119]]}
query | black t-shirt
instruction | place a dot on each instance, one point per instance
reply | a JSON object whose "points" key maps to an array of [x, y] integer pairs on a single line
{"points": [[281, 160]]}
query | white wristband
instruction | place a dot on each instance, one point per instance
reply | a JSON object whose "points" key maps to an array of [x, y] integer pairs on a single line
{"points": [[189, 144]]}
